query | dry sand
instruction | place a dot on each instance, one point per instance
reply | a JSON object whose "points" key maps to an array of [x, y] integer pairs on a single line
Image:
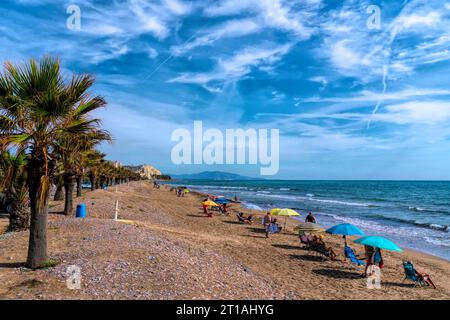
{"points": [[166, 248]]}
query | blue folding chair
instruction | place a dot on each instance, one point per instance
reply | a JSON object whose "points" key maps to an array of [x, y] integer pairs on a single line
{"points": [[349, 253]]}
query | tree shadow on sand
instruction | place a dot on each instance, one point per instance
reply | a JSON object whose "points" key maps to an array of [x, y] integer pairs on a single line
{"points": [[7, 265], [338, 274]]}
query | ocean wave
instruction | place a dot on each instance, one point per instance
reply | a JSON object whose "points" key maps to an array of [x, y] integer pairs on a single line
{"points": [[284, 189], [433, 226], [343, 202], [419, 209], [310, 195], [252, 206]]}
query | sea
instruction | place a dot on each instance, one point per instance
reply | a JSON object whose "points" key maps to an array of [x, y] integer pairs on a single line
{"points": [[413, 214]]}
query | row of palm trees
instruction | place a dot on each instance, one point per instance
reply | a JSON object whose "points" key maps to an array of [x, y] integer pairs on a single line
{"points": [[48, 137]]}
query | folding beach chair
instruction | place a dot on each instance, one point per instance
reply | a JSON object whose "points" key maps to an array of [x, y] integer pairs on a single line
{"points": [[418, 278], [240, 218], [349, 253]]}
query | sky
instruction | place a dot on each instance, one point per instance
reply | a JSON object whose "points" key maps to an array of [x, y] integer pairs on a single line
{"points": [[353, 97]]}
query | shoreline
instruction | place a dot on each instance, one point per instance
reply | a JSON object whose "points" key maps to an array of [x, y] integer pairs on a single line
{"points": [[164, 247]]}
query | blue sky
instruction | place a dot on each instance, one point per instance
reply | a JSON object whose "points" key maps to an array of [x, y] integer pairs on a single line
{"points": [[350, 102]]}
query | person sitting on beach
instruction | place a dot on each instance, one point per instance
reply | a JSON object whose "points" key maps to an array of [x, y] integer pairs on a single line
{"points": [[278, 225], [243, 219], [304, 238], [310, 218], [318, 245], [267, 220], [249, 219]]}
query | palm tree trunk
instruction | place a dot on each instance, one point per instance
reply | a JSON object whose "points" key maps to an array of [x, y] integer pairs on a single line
{"points": [[37, 244], [92, 180], [69, 183], [78, 178], [19, 216], [59, 194]]}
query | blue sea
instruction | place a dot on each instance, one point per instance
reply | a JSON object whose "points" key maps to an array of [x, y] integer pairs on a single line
{"points": [[413, 214]]}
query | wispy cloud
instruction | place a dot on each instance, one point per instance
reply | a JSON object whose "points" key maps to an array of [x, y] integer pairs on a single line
{"points": [[237, 66]]}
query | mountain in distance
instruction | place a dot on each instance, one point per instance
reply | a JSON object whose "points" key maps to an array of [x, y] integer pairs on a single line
{"points": [[212, 175]]}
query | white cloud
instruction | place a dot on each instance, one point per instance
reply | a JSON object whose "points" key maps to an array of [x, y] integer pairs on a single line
{"points": [[417, 112], [413, 20], [227, 29], [237, 66], [370, 96], [272, 13]]}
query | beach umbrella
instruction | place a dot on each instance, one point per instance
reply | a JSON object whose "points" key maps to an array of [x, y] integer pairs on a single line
{"points": [[210, 203], [309, 227], [286, 212], [378, 242], [222, 201], [345, 229]]}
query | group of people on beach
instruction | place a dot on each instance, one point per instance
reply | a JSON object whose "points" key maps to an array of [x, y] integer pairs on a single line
{"points": [[372, 255]]}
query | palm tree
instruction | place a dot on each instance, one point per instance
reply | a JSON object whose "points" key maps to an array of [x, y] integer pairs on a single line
{"points": [[70, 150], [37, 108], [94, 160], [14, 184], [59, 183]]}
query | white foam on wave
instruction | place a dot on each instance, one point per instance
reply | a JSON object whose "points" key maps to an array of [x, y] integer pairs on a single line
{"points": [[252, 206], [342, 202]]}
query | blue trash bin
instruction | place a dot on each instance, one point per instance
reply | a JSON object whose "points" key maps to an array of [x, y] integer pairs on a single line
{"points": [[81, 210]]}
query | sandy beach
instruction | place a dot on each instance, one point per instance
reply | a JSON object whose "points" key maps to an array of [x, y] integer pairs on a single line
{"points": [[164, 247]]}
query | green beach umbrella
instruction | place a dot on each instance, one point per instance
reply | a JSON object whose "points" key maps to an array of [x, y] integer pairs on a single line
{"points": [[378, 242]]}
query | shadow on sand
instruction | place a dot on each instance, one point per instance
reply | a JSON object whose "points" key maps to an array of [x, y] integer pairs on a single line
{"points": [[257, 230], [250, 236], [197, 216], [7, 265], [338, 274], [232, 222], [397, 284], [285, 246], [307, 257]]}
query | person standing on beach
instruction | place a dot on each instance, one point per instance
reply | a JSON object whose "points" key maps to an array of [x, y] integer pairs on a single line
{"points": [[310, 218], [369, 253], [267, 220]]}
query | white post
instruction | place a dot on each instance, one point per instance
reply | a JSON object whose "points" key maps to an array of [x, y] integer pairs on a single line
{"points": [[117, 210]]}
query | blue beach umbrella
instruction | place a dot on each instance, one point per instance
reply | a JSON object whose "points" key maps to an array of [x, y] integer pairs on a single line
{"points": [[345, 229], [222, 201], [378, 242]]}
